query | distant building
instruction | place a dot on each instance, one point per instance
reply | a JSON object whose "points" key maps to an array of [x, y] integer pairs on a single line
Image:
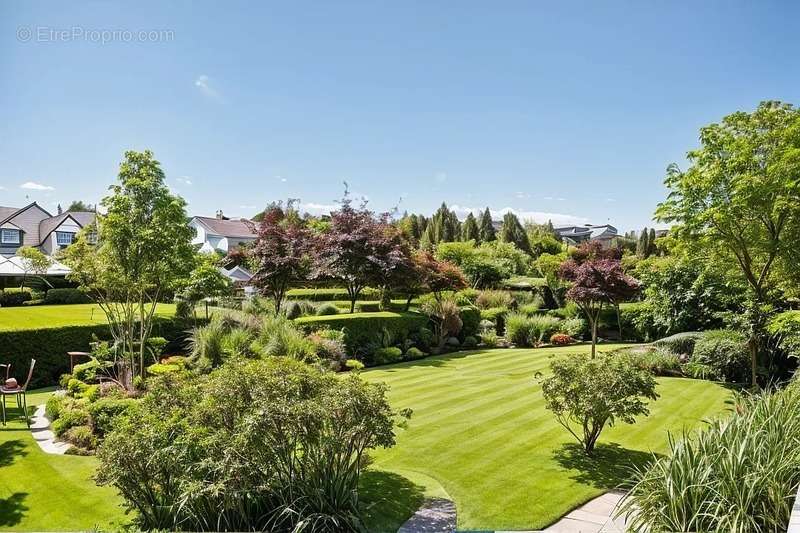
{"points": [[604, 233], [33, 226], [221, 234]]}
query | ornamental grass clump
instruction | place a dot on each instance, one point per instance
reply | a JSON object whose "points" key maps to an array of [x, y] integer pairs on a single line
{"points": [[739, 474]]}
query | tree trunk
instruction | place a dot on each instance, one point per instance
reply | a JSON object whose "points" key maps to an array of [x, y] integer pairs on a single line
{"points": [[754, 361], [408, 302], [594, 335], [619, 319]]}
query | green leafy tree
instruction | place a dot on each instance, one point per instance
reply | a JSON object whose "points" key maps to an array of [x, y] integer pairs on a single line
{"points": [[143, 252], [205, 280], [34, 261], [588, 394], [80, 206], [486, 230], [469, 229], [740, 201]]}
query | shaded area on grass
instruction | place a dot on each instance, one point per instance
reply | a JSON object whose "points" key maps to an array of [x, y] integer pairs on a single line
{"points": [[9, 450], [388, 500], [609, 467], [12, 509]]}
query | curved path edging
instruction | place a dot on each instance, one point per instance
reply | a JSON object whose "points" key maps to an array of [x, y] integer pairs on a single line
{"points": [[44, 437]]}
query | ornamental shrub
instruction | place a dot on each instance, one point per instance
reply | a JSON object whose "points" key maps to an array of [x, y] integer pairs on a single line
{"points": [[386, 356], [327, 309], [104, 411], [470, 321], [492, 298], [10, 298], [415, 353], [679, 343], [368, 307], [53, 407], [576, 327], [725, 353], [281, 443], [66, 296], [354, 365], [72, 416], [560, 339], [490, 339], [496, 315], [469, 342], [81, 436]]}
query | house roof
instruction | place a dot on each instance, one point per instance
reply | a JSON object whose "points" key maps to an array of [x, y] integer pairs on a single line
{"points": [[590, 230], [240, 228], [48, 225]]}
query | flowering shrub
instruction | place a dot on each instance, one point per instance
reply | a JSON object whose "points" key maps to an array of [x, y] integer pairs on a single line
{"points": [[560, 339]]}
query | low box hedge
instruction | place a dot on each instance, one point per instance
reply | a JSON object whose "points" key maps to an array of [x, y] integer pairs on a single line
{"points": [[329, 294], [363, 328], [49, 346], [66, 296]]}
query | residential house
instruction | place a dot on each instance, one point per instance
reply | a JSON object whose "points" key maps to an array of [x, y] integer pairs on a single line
{"points": [[221, 234], [603, 233], [34, 226]]}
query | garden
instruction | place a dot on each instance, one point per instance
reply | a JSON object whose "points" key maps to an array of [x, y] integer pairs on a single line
{"points": [[387, 360]]}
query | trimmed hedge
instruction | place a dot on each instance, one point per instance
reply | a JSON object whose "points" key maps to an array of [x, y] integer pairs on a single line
{"points": [[361, 329], [49, 346], [328, 294], [14, 298], [66, 296]]}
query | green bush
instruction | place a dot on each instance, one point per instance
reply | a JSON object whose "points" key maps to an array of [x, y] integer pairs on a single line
{"points": [[679, 343], [81, 436], [467, 296], [87, 371], [330, 294], [327, 309], [366, 329], [725, 353], [785, 328], [279, 441], [368, 307], [66, 296], [70, 417], [91, 393], [161, 368], [385, 356], [105, 411], [11, 298], [76, 386], [423, 337], [470, 321], [354, 364], [490, 339], [659, 361], [530, 309], [575, 327], [33, 302], [53, 407], [469, 342], [281, 337], [415, 353], [292, 310]]}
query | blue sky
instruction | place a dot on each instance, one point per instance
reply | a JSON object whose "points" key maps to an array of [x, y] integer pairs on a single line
{"points": [[564, 109]]}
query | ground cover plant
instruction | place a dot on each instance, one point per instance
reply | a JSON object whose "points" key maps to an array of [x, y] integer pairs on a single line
{"points": [[480, 427]]}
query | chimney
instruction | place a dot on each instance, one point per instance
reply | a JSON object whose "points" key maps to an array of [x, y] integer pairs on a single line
{"points": [[219, 214]]}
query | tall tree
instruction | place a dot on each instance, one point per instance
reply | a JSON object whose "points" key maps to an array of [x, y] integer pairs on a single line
{"points": [[281, 254], [487, 232], [469, 229], [651, 242], [143, 252], [740, 200], [78, 206], [512, 231], [643, 244], [357, 250], [34, 261]]}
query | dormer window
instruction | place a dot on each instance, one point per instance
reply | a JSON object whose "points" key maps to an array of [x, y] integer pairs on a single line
{"points": [[9, 236], [64, 238]]}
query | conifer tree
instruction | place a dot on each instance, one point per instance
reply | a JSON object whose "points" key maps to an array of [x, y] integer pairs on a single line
{"points": [[643, 244], [486, 231], [469, 229], [513, 232], [651, 243]]}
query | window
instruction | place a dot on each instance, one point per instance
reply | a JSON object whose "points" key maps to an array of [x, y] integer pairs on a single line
{"points": [[9, 236], [91, 237], [64, 239]]}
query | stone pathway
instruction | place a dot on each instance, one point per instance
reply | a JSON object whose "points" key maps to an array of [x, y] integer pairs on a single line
{"points": [[595, 516], [40, 429], [437, 515]]}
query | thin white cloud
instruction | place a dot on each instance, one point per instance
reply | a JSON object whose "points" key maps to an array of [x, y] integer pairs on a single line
{"points": [[33, 186], [2, 188], [521, 195], [203, 82], [611, 199], [247, 207], [441, 177], [186, 180], [540, 217], [318, 209]]}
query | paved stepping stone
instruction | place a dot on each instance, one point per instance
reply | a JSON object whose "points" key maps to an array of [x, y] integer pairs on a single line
{"points": [[437, 515]]}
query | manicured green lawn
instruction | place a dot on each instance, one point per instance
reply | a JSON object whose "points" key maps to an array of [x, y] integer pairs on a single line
{"points": [[56, 316], [480, 430], [43, 492]]}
